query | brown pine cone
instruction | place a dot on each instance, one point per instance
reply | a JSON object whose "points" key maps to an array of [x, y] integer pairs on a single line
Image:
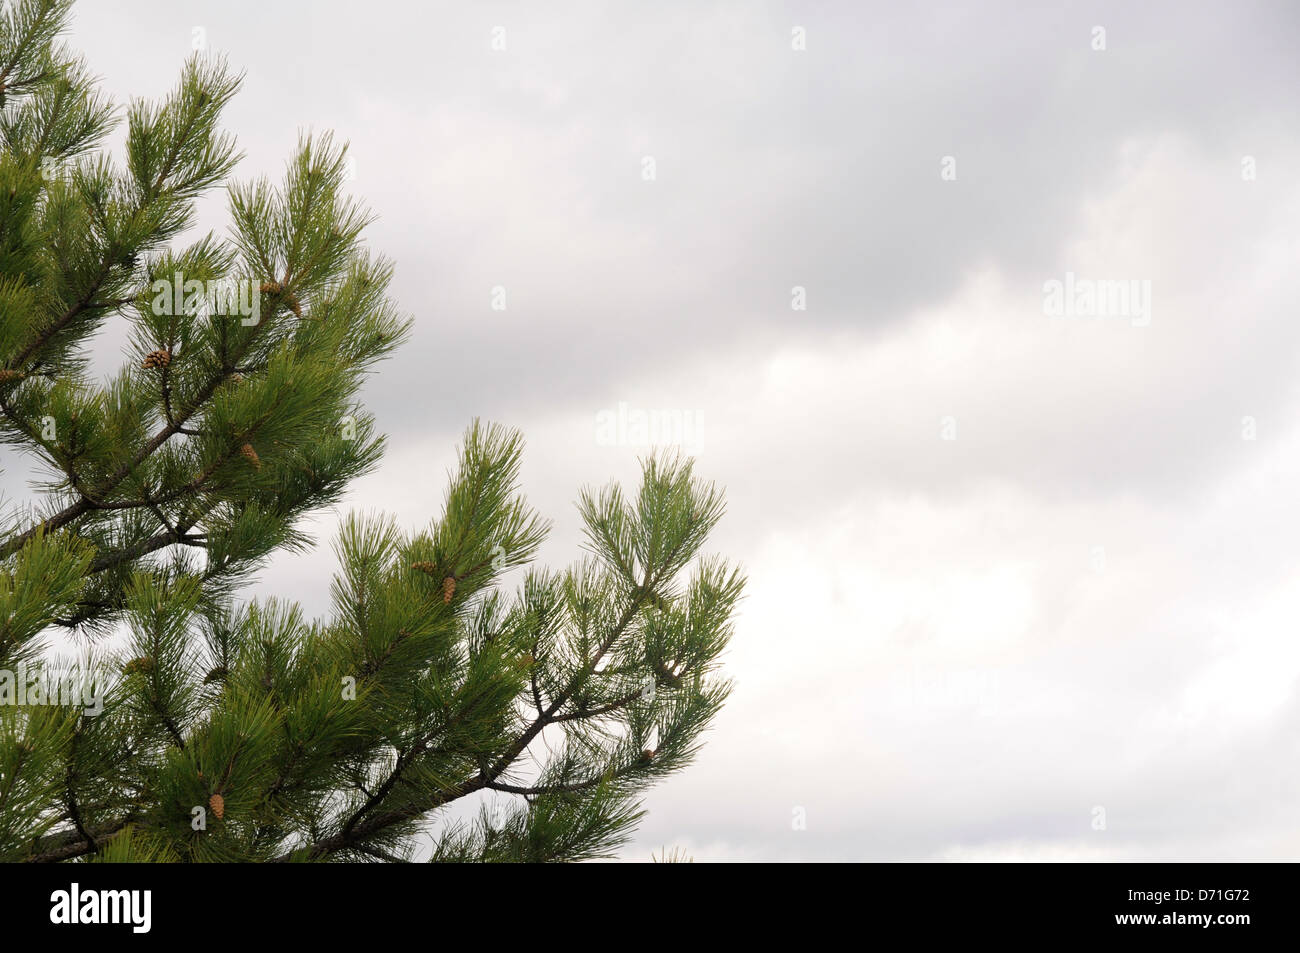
{"points": [[156, 359], [142, 664], [448, 589], [251, 456], [218, 805]]}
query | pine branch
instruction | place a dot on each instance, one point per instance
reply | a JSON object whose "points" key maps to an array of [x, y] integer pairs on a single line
{"points": [[152, 520]]}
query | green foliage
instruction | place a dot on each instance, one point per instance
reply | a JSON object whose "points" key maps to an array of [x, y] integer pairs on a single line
{"points": [[224, 730]]}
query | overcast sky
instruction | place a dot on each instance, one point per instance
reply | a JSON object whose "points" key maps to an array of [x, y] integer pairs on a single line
{"points": [[1014, 577]]}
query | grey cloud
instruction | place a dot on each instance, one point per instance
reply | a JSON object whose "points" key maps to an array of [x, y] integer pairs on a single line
{"points": [[822, 169]]}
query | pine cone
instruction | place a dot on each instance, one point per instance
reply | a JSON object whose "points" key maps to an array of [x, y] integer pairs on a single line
{"points": [[155, 359], [448, 589], [666, 676], [425, 567], [218, 674], [8, 376], [290, 299], [142, 664], [218, 805], [647, 755], [251, 456]]}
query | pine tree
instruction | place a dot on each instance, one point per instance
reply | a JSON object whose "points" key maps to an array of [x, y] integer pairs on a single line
{"points": [[205, 728]]}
